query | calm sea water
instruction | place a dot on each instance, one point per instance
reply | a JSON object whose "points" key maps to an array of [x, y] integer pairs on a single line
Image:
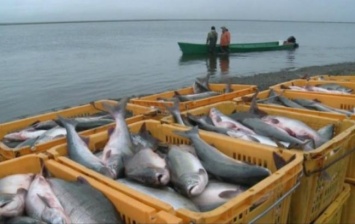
{"points": [[47, 66]]}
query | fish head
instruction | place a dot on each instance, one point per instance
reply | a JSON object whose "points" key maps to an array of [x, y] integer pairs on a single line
{"points": [[192, 184], [152, 176], [54, 216]]}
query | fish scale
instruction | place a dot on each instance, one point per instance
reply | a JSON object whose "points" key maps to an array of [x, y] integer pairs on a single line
{"points": [[83, 203]]}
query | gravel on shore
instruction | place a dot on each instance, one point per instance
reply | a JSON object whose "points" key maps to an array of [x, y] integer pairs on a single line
{"points": [[265, 80]]}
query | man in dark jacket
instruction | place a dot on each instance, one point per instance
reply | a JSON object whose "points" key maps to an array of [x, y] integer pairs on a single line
{"points": [[211, 41]]}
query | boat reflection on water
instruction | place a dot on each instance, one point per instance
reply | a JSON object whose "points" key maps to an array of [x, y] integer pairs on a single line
{"points": [[210, 61]]}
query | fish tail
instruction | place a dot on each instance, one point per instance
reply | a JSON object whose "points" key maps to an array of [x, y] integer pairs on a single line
{"points": [[175, 108], [66, 122], [189, 133], [116, 109]]}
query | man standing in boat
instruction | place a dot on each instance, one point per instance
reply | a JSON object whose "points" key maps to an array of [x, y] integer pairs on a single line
{"points": [[225, 40], [211, 41]]}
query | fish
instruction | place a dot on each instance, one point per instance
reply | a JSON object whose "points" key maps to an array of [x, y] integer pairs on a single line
{"points": [[256, 138], [144, 139], [222, 166], [12, 205], [196, 96], [295, 128], [327, 132], [148, 168], [221, 120], [83, 203], [216, 194], [44, 125], [201, 84], [165, 194], [324, 90], [335, 86], [289, 103], [79, 152], [187, 173], [42, 203], [120, 142], [24, 135], [262, 128], [175, 111], [49, 135], [10, 184], [23, 220], [205, 123], [85, 123], [317, 105]]}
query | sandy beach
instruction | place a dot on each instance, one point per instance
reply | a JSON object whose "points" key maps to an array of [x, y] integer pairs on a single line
{"points": [[264, 80]]}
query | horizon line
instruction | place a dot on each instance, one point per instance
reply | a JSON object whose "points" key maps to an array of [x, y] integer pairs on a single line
{"points": [[147, 20]]}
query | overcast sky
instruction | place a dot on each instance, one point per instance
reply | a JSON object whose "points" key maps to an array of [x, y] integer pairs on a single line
{"points": [[74, 10]]}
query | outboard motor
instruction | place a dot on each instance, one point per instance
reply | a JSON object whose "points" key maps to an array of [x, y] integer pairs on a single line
{"points": [[291, 39]]}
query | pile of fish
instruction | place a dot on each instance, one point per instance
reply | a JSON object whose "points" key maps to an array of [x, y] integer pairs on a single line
{"points": [[332, 88], [201, 90], [257, 126], [299, 103], [33, 198], [197, 177], [43, 131]]}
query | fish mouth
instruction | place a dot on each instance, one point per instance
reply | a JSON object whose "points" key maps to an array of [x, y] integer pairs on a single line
{"points": [[163, 178]]}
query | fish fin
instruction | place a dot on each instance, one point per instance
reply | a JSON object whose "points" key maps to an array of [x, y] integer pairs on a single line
{"points": [[253, 138], [203, 87], [278, 143], [65, 121], [82, 180], [176, 93], [278, 160], [85, 139], [110, 131], [202, 171], [290, 132], [45, 200], [228, 88], [284, 87], [327, 131], [254, 109], [118, 108], [35, 123], [316, 100], [187, 134], [33, 144], [107, 155], [143, 128], [44, 171], [228, 194]]}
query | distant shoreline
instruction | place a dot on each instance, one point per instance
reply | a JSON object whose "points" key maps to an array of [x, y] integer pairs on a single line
{"points": [[162, 20], [265, 80]]}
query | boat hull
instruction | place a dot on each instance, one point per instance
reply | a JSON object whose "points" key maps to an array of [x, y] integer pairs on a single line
{"points": [[193, 48]]}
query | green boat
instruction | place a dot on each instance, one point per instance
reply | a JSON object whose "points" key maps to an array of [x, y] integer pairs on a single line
{"points": [[193, 48]]}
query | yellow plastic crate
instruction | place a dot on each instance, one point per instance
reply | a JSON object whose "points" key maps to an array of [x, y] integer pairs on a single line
{"points": [[302, 82], [238, 210], [152, 100], [348, 215], [131, 210], [314, 193], [336, 101], [341, 78], [139, 113], [333, 214]]}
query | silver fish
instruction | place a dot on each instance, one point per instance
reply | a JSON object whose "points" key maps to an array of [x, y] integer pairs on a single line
{"points": [[119, 143], [79, 151], [187, 173], [335, 86], [175, 111], [222, 166], [221, 120], [295, 128], [24, 135], [262, 128], [42, 204], [148, 168], [197, 96], [12, 205], [10, 184], [49, 135], [165, 194], [144, 139], [216, 194], [83, 203]]}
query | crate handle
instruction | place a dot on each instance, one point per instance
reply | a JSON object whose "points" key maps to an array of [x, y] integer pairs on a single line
{"points": [[307, 174], [275, 203]]}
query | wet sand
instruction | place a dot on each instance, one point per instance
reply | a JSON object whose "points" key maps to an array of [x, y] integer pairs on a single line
{"points": [[265, 80]]}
